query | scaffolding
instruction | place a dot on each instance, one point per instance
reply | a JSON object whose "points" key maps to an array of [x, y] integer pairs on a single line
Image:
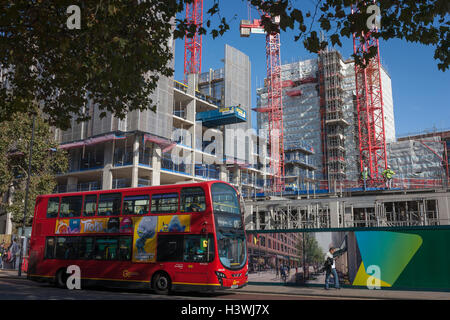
{"points": [[390, 209], [333, 122], [419, 158]]}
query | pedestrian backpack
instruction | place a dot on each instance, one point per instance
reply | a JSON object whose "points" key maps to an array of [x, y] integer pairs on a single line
{"points": [[328, 263]]}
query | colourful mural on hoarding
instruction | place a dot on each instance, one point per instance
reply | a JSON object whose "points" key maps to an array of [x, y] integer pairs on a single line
{"points": [[406, 258]]}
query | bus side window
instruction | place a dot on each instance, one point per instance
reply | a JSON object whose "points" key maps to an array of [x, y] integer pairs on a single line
{"points": [[125, 247], [90, 205], [136, 204], [164, 203], [71, 248], [169, 248], [109, 204], [70, 207], [60, 247], [86, 248], [52, 207], [50, 248], [106, 248], [192, 200]]}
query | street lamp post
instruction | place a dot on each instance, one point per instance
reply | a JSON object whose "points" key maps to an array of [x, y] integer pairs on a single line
{"points": [[26, 196]]}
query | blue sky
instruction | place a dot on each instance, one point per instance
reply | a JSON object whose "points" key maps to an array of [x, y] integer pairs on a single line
{"points": [[421, 92]]}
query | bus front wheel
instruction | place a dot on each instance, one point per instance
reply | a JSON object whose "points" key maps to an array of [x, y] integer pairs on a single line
{"points": [[161, 283]]}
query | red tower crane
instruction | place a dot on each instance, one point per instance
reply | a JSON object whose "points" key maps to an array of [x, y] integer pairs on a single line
{"points": [[369, 100], [193, 46], [274, 107]]}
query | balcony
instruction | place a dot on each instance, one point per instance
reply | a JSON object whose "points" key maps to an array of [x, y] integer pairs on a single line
{"points": [[82, 186], [210, 172], [168, 165], [123, 157]]}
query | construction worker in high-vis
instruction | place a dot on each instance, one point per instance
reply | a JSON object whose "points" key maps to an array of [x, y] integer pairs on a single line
{"points": [[388, 175], [364, 176]]}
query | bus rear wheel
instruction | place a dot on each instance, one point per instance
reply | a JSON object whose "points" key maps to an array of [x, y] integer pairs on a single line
{"points": [[61, 278], [161, 283]]}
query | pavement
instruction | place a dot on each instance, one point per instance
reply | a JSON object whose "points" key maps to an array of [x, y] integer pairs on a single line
{"points": [[317, 291]]}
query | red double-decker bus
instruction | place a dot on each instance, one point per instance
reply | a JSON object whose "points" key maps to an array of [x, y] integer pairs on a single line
{"points": [[175, 237]]}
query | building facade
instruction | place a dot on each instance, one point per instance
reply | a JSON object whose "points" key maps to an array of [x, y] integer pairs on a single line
{"points": [[170, 145]]}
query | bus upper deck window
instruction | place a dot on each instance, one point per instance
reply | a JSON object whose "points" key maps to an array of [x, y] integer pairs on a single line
{"points": [[192, 200], [90, 205], [52, 207], [165, 203], [70, 207], [136, 204], [109, 204]]}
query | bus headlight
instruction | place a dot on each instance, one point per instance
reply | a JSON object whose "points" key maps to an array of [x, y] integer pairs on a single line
{"points": [[220, 275]]}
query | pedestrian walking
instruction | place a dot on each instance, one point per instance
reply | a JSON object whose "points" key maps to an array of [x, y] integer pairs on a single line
{"points": [[14, 249], [2, 254], [283, 273], [330, 268]]}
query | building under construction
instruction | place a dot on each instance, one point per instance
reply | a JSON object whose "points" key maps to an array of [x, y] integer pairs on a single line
{"points": [[184, 140], [320, 120], [430, 157]]}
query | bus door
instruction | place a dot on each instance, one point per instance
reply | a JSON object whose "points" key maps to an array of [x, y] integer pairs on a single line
{"points": [[190, 255], [197, 254]]}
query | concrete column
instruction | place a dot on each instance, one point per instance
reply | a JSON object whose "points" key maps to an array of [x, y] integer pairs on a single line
{"points": [[444, 210], [156, 165], [192, 83], [334, 214], [76, 156], [72, 184], [223, 173], [107, 177], [258, 221], [135, 168], [248, 217]]}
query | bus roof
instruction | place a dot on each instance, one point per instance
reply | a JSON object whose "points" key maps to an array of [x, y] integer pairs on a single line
{"points": [[150, 188]]}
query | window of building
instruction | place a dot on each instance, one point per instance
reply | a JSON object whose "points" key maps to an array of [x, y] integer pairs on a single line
{"points": [[192, 200], [90, 205], [52, 207], [70, 207], [109, 204], [165, 203], [136, 204]]}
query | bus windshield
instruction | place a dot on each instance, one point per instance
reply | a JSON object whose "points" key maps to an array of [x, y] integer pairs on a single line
{"points": [[229, 228]]}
